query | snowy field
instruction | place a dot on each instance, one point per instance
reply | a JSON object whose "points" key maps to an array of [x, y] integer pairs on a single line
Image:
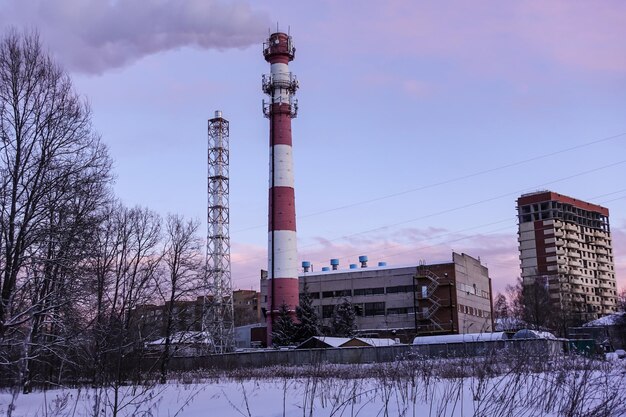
{"points": [[567, 387]]}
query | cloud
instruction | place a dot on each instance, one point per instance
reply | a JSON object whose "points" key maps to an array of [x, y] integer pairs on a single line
{"points": [[92, 36], [498, 251]]}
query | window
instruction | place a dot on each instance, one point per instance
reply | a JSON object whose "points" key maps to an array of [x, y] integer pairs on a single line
{"points": [[399, 288], [374, 309], [369, 291], [397, 310], [337, 293]]}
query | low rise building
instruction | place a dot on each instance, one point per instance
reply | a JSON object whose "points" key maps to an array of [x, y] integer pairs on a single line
{"points": [[404, 301]]}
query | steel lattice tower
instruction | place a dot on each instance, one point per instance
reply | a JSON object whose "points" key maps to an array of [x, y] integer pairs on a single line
{"points": [[218, 317]]}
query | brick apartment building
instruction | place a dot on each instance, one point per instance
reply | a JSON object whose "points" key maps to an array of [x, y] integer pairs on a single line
{"points": [[566, 244]]}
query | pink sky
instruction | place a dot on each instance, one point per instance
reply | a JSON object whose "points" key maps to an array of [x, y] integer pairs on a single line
{"points": [[419, 123]]}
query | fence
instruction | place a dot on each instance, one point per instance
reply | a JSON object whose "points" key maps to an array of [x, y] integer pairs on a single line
{"points": [[361, 355]]}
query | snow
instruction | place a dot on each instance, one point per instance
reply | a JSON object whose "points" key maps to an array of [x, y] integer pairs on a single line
{"points": [[509, 324], [332, 341], [338, 342], [533, 334], [377, 342], [459, 338], [525, 394], [609, 320], [371, 267]]}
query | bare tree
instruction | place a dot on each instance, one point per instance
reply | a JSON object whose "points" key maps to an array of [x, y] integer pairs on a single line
{"points": [[500, 307], [54, 172], [183, 260], [124, 270]]}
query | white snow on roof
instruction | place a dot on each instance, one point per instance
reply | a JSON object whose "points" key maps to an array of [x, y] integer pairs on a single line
{"points": [[509, 323], [332, 341], [609, 320], [459, 338], [533, 334], [376, 342], [368, 268]]}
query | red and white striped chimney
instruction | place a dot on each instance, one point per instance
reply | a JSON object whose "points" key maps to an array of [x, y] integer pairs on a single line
{"points": [[280, 85]]}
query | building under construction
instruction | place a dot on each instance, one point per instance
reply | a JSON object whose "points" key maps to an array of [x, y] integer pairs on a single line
{"points": [[403, 301]]}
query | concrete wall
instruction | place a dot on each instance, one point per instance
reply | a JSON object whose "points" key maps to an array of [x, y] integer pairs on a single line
{"points": [[361, 355], [464, 306], [473, 295]]}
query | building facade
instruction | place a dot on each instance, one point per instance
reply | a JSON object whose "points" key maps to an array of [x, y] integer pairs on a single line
{"points": [[149, 320], [566, 244], [404, 301], [246, 306]]}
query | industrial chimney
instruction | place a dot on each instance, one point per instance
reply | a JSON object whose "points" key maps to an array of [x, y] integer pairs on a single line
{"points": [[281, 85]]}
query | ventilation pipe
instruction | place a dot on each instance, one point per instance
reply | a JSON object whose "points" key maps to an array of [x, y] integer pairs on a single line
{"points": [[334, 263], [363, 260]]}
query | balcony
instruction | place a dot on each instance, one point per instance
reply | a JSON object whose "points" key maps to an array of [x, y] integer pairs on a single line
{"points": [[601, 243], [601, 251], [575, 272], [573, 245], [573, 254], [560, 252], [575, 263], [576, 281], [604, 284], [571, 236], [559, 242], [571, 227], [603, 275], [602, 259], [603, 268], [559, 233], [599, 234], [578, 290]]}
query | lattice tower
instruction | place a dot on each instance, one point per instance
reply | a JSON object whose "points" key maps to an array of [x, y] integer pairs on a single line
{"points": [[218, 317]]}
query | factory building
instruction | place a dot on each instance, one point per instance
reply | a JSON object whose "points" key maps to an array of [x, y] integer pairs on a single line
{"points": [[566, 244], [403, 301]]}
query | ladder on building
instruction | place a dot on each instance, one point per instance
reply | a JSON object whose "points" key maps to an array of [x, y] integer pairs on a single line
{"points": [[427, 293]]}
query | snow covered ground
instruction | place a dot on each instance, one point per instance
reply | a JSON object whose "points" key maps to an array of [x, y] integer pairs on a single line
{"points": [[401, 389]]}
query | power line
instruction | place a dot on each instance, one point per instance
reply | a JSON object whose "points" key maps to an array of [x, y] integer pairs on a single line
{"points": [[473, 227], [518, 192], [465, 206], [452, 180]]}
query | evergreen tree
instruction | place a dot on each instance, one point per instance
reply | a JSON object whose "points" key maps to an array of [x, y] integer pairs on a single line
{"points": [[309, 322], [284, 329], [343, 323]]}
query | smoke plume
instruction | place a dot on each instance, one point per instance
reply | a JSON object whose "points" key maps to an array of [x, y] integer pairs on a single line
{"points": [[92, 36]]}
